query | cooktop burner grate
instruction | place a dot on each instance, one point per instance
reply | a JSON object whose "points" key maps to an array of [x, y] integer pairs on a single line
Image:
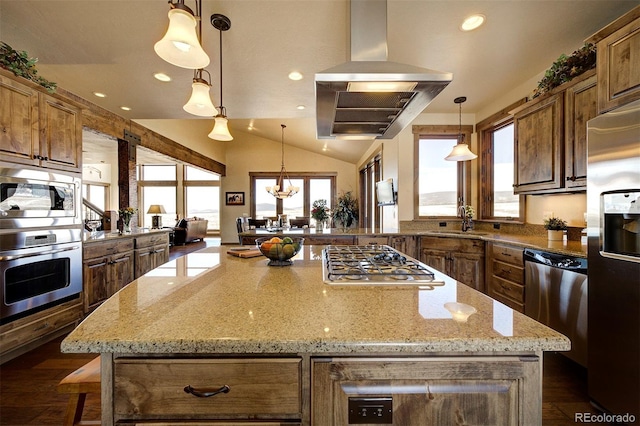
{"points": [[373, 264]]}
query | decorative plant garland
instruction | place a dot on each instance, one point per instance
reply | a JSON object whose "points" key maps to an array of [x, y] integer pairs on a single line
{"points": [[19, 63], [566, 68]]}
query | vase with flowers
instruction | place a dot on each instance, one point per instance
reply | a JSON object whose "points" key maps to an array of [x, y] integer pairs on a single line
{"points": [[125, 215], [555, 228], [320, 213]]}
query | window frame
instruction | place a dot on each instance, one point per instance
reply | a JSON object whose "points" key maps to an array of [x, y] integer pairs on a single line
{"points": [[306, 177], [463, 172], [485, 130]]}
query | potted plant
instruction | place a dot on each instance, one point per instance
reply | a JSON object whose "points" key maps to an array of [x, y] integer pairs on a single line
{"points": [[555, 228], [345, 214], [320, 213]]}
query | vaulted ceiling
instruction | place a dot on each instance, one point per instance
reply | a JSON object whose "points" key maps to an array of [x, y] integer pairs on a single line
{"points": [[107, 46]]}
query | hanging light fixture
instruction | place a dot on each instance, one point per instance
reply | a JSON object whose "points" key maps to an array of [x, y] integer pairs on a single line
{"points": [[200, 102], [181, 46], [220, 130], [278, 190], [461, 151]]}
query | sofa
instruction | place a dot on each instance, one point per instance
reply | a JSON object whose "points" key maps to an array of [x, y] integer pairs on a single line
{"points": [[189, 229]]}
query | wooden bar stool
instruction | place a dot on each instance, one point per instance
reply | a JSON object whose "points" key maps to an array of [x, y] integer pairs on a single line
{"points": [[78, 384]]}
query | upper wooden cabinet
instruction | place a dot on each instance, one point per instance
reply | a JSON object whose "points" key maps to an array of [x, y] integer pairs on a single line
{"points": [[551, 138], [618, 61], [37, 128]]}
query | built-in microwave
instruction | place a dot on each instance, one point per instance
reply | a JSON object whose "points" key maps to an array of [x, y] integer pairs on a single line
{"points": [[35, 198]]}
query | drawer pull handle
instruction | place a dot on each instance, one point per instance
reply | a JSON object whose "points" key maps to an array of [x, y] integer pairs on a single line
{"points": [[206, 393]]}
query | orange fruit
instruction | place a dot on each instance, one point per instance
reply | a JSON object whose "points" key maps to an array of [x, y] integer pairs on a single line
{"points": [[266, 246], [275, 240]]}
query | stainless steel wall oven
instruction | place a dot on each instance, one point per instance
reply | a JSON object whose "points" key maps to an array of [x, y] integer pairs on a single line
{"points": [[40, 239]]}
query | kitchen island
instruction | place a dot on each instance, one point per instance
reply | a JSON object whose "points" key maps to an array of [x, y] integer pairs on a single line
{"points": [[213, 337]]}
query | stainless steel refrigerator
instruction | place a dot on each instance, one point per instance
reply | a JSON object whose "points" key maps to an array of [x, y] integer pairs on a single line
{"points": [[613, 233]]}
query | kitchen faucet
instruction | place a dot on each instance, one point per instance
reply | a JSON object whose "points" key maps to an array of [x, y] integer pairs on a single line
{"points": [[467, 223]]}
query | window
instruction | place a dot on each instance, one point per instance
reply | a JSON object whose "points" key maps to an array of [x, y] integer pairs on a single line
{"points": [[497, 200], [313, 186], [202, 196], [96, 194], [441, 185], [369, 175]]}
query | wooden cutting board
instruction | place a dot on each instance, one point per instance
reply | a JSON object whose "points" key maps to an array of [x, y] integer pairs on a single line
{"points": [[245, 253]]}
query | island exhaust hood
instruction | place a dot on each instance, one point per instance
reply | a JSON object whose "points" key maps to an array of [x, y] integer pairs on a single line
{"points": [[370, 97]]}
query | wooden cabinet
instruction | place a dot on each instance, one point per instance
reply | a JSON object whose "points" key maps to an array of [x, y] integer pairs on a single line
{"points": [[460, 258], [38, 128], [618, 61], [249, 389], [471, 390], [16, 336], [403, 243], [106, 267], [505, 275], [550, 153], [150, 252], [538, 132], [580, 107]]}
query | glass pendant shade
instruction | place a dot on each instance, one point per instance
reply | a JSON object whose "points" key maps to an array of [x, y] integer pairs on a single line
{"points": [[461, 152], [180, 45], [220, 130], [200, 102]]}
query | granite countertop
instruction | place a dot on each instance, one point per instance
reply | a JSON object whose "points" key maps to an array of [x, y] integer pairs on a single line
{"points": [[214, 303], [539, 242], [100, 236]]}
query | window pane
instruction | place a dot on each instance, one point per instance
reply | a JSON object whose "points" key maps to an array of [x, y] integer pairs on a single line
{"points": [[265, 202], [163, 195], [97, 196], [438, 178], [192, 173], [204, 202], [319, 189], [505, 202], [294, 206], [159, 172]]}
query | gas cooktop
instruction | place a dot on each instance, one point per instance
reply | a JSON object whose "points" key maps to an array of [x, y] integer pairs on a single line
{"points": [[373, 265]]}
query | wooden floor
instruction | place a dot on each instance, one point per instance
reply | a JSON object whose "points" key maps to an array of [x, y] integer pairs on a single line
{"points": [[28, 395]]}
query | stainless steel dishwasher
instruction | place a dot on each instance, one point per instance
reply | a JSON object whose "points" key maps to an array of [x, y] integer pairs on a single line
{"points": [[556, 295]]}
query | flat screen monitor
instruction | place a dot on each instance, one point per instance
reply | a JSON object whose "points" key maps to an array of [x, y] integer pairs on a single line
{"points": [[385, 193]]}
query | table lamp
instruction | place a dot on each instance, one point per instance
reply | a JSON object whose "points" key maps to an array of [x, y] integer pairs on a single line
{"points": [[156, 220]]}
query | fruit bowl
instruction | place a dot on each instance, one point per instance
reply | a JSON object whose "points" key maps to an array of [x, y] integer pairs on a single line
{"points": [[279, 250]]}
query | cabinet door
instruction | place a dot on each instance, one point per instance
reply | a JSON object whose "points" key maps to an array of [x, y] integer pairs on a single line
{"points": [[436, 391], [539, 132], [18, 123], [96, 278], [60, 134], [580, 106], [468, 269], [405, 244], [143, 261], [160, 255], [121, 271], [437, 259]]}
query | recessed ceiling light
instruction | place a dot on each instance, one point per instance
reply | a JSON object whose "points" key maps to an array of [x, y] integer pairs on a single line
{"points": [[472, 22], [300, 107], [162, 76], [295, 75], [125, 108], [100, 94]]}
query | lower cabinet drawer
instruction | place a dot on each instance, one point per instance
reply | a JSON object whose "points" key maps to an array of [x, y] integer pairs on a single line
{"points": [[507, 292], [509, 272], [257, 388]]}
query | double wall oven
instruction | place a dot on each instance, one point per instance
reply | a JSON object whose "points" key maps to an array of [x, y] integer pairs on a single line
{"points": [[40, 239]]}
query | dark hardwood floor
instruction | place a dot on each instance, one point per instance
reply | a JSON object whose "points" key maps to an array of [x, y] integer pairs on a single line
{"points": [[28, 395]]}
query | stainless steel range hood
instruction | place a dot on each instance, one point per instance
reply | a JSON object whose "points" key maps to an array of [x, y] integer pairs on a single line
{"points": [[346, 109]]}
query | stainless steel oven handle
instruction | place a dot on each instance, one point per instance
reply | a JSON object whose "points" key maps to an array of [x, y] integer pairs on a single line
{"points": [[42, 253]]}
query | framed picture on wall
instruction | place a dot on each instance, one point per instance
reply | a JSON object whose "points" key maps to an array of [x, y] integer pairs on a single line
{"points": [[234, 198]]}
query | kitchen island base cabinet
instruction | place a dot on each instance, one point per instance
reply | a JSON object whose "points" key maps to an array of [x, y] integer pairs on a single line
{"points": [[248, 389], [150, 252], [106, 268], [503, 390]]}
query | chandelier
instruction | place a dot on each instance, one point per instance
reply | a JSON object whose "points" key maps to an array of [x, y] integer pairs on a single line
{"points": [[278, 190]]}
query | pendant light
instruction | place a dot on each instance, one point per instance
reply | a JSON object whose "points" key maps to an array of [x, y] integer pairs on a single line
{"points": [[278, 190], [181, 46], [461, 151], [200, 102], [220, 130]]}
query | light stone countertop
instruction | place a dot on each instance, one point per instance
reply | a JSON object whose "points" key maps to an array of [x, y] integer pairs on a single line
{"points": [[211, 302]]}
